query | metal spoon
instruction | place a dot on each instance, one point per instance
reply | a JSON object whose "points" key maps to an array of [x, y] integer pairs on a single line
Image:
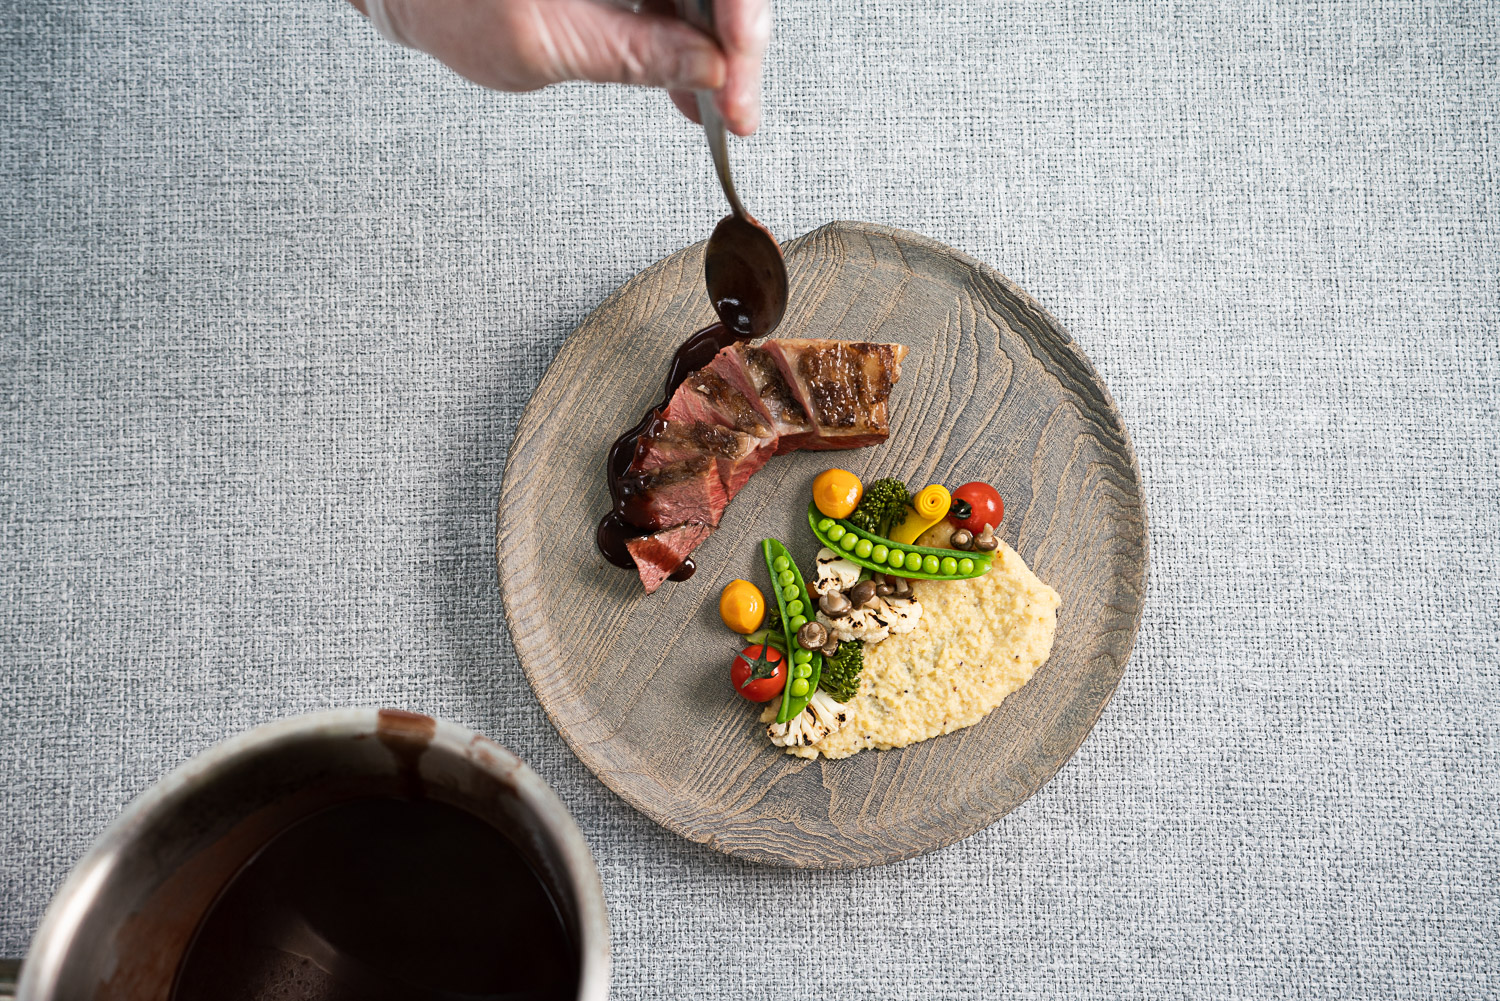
{"points": [[742, 265]]}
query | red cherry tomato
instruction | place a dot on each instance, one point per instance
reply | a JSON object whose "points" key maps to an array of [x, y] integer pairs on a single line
{"points": [[985, 506], [759, 673]]}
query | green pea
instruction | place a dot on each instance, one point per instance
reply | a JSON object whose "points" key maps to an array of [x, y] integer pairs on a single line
{"points": [[802, 670], [791, 592], [785, 577], [825, 524], [879, 553], [799, 687], [802, 656], [849, 541], [948, 565], [793, 607], [929, 564], [965, 565], [863, 548], [796, 622], [781, 563], [897, 558], [836, 533]]}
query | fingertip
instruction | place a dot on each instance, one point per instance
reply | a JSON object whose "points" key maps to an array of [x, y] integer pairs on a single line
{"points": [[740, 99], [687, 103], [742, 121]]}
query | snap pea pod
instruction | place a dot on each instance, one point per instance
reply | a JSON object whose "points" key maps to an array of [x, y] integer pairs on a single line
{"points": [[796, 608], [876, 553], [775, 637]]}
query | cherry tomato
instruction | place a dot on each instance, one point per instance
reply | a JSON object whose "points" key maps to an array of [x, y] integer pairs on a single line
{"points": [[837, 492], [985, 506], [742, 606], [759, 672]]}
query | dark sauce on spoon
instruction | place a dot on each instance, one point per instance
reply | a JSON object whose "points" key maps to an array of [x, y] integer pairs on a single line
{"points": [[746, 277]]}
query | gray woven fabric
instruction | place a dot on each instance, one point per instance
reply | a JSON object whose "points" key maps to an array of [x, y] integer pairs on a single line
{"points": [[274, 294]]}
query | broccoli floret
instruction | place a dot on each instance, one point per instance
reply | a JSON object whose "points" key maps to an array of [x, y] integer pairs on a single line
{"points": [[884, 502], [840, 677]]}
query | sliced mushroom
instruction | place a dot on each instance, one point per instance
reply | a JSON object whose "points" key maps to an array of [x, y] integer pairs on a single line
{"points": [[835, 605], [812, 636], [862, 593]]}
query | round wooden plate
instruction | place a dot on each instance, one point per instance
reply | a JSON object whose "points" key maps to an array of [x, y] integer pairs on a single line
{"points": [[993, 389]]}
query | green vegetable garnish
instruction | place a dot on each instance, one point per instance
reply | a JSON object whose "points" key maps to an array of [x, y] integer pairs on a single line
{"points": [[768, 635], [885, 556], [840, 678], [883, 503], [799, 689]]}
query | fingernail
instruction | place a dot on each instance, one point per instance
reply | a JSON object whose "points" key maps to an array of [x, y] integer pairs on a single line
{"points": [[699, 68]]}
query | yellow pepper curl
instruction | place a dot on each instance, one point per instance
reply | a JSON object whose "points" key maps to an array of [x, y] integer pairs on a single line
{"points": [[927, 509]]}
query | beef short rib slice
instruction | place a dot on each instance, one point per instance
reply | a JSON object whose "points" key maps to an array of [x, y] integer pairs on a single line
{"points": [[754, 373], [657, 556], [736, 455], [843, 386], [676, 493]]}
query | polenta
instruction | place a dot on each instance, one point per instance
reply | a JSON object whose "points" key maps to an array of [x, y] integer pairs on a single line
{"points": [[978, 641]]}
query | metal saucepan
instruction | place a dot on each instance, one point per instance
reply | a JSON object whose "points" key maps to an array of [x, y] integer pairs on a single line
{"points": [[127, 913]]}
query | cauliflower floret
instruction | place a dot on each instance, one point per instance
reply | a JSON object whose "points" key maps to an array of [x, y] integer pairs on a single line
{"points": [[834, 573], [869, 624], [821, 717], [905, 613]]}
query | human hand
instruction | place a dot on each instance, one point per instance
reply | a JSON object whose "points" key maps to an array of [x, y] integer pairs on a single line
{"points": [[520, 45]]}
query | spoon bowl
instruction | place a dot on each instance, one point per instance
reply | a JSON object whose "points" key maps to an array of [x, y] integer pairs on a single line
{"points": [[746, 276]]}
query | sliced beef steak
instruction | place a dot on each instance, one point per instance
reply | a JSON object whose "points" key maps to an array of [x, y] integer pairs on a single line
{"points": [[727, 419], [676, 493], [706, 396], [736, 454], [658, 556], [843, 386], [754, 373]]}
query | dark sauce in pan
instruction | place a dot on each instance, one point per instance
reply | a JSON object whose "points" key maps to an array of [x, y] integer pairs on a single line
{"points": [[383, 898], [615, 529]]}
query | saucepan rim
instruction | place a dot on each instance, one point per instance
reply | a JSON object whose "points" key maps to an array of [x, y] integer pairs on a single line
{"points": [[64, 916]]}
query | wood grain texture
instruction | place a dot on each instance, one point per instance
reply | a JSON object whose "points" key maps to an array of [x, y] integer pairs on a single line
{"points": [[993, 389]]}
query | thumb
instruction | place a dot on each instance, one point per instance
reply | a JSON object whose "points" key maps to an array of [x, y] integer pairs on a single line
{"points": [[585, 40]]}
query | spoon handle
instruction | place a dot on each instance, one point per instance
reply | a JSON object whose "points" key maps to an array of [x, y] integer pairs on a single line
{"points": [[700, 14]]}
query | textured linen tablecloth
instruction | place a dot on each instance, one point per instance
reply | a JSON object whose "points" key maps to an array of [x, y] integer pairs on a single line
{"points": [[275, 293]]}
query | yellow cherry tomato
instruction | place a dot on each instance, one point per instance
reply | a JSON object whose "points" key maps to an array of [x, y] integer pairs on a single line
{"points": [[742, 606], [837, 492]]}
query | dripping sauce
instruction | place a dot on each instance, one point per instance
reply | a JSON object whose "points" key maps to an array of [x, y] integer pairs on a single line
{"points": [[616, 529]]}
